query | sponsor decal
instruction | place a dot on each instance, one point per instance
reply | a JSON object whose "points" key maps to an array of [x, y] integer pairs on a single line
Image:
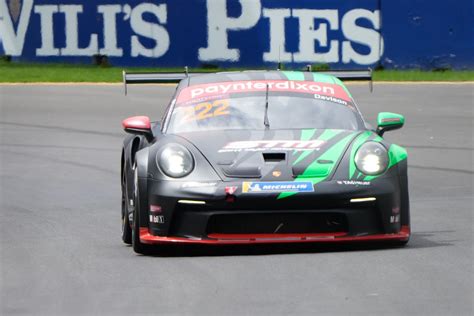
{"points": [[194, 184], [395, 219], [157, 219], [277, 145], [220, 88], [277, 187], [330, 99], [230, 190], [276, 173], [155, 209], [352, 182]]}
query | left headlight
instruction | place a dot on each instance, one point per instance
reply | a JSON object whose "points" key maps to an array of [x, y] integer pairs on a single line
{"points": [[371, 158], [175, 161]]}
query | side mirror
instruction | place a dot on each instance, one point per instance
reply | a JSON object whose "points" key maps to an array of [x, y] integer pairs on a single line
{"points": [[139, 125], [387, 121]]}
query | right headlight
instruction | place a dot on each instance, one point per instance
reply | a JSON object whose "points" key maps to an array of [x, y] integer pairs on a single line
{"points": [[175, 161], [371, 158]]}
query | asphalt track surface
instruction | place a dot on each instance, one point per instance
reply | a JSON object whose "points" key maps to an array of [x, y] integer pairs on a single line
{"points": [[61, 251]]}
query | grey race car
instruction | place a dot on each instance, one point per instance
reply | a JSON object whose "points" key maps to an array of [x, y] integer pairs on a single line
{"points": [[261, 157]]}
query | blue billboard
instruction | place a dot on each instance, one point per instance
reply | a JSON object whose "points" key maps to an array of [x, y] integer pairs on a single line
{"points": [[226, 33]]}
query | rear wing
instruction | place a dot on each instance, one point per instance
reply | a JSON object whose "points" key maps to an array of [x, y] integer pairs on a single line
{"points": [[176, 77], [154, 77], [350, 75]]}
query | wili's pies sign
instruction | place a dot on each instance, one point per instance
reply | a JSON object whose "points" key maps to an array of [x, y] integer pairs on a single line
{"points": [[193, 32]]}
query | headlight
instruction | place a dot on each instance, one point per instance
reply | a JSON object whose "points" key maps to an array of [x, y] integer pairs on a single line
{"points": [[175, 161], [371, 158]]}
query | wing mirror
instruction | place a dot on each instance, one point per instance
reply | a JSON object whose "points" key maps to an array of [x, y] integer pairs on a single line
{"points": [[139, 125], [387, 121]]}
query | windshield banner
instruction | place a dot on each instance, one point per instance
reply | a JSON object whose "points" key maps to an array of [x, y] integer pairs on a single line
{"points": [[325, 91]]}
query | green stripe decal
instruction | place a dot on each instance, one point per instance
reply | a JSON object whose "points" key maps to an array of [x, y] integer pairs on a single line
{"points": [[359, 141], [294, 75], [332, 153], [323, 78], [329, 133], [306, 134], [396, 154], [369, 178], [326, 135], [303, 155], [339, 82]]}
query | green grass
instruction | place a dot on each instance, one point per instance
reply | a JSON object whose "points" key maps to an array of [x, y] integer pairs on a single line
{"points": [[20, 72], [417, 75], [13, 72]]}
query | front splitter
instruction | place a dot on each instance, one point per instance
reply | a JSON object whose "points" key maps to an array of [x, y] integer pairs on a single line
{"points": [[232, 239]]}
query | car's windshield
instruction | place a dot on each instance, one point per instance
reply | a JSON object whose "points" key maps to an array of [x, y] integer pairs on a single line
{"points": [[230, 106]]}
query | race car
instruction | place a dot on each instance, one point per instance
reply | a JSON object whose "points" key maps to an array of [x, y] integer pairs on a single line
{"points": [[256, 157]]}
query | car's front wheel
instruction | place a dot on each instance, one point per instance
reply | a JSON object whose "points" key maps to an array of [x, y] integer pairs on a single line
{"points": [[138, 246], [126, 228]]}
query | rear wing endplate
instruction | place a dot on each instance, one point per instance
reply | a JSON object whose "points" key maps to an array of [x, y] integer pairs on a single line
{"points": [[152, 77]]}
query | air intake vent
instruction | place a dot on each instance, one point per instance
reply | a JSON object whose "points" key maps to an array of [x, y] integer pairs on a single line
{"points": [[243, 172], [274, 157], [283, 223]]}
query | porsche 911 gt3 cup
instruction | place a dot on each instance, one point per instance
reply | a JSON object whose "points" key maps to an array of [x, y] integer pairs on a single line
{"points": [[261, 157]]}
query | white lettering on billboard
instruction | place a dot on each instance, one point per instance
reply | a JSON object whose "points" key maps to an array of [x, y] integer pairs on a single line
{"points": [[361, 35], [218, 25], [13, 41], [151, 38], [312, 34], [109, 15], [71, 12], [150, 30], [47, 31], [276, 18]]}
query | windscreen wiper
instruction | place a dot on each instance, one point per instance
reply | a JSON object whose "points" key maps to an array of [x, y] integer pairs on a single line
{"points": [[265, 118]]}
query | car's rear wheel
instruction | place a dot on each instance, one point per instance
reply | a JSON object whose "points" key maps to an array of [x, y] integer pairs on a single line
{"points": [[138, 246], [126, 228]]}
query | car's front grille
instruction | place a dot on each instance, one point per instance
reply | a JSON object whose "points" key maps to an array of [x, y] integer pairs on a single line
{"points": [[281, 223]]}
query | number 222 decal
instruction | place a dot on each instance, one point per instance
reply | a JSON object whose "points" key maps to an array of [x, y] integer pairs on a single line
{"points": [[202, 111]]}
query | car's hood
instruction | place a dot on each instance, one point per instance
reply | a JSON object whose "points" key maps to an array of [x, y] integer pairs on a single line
{"points": [[272, 155]]}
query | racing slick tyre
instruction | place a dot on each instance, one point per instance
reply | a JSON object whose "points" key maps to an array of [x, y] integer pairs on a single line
{"points": [[138, 246], [126, 228]]}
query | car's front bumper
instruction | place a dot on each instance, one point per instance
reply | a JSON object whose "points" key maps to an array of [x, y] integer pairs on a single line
{"points": [[325, 215]]}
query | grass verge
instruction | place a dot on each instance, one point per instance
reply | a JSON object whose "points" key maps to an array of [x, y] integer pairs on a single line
{"points": [[418, 75], [19, 72]]}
